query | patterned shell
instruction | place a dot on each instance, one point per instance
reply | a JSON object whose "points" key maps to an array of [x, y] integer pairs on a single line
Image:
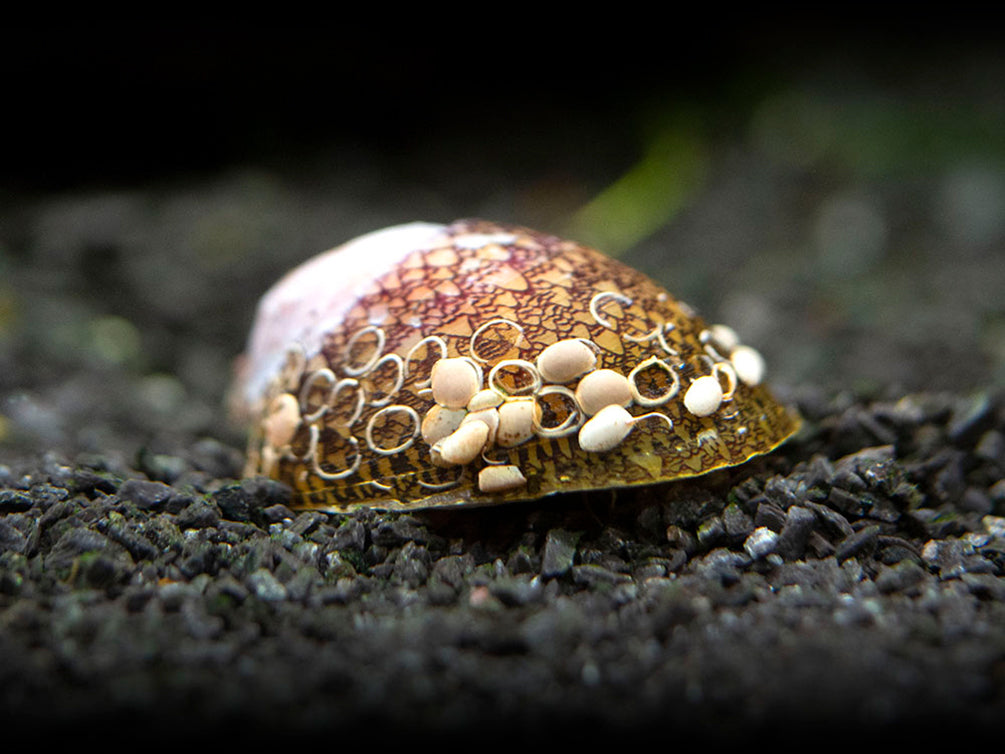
{"points": [[427, 365]]}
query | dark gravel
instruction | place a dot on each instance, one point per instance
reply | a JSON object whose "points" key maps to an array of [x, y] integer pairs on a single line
{"points": [[798, 591], [849, 588]]}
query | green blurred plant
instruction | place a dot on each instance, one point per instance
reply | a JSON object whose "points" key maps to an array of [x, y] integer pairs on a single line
{"points": [[670, 172]]}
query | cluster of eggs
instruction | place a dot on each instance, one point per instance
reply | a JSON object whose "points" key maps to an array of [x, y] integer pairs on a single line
{"points": [[428, 365]]}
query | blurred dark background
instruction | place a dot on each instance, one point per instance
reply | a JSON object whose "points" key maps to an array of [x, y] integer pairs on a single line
{"points": [[113, 103], [835, 190]]}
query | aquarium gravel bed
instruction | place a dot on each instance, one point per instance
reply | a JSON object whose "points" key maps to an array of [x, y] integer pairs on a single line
{"points": [[799, 594]]}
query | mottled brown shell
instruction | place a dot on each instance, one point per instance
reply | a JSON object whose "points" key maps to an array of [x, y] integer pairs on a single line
{"points": [[337, 410]]}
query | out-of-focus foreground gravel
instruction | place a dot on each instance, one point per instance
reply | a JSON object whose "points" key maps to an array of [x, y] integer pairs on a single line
{"points": [[850, 584]]}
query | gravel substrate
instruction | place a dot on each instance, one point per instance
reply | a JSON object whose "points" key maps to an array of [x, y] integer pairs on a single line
{"points": [[864, 592]]}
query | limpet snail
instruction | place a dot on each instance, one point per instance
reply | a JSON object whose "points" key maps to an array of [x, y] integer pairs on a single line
{"points": [[431, 365]]}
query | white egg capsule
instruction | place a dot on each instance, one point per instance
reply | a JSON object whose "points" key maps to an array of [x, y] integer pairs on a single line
{"points": [[722, 337], [462, 446], [516, 422], [282, 421], [439, 422], [704, 396], [487, 416], [610, 426], [455, 381], [749, 365], [500, 478], [487, 398], [600, 388], [565, 360]]}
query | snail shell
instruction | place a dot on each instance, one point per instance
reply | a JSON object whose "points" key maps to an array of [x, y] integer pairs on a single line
{"points": [[358, 356]]}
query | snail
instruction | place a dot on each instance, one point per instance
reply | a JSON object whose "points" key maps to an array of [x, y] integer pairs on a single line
{"points": [[429, 365]]}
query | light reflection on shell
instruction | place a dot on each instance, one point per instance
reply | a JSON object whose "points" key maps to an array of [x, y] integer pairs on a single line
{"points": [[339, 377]]}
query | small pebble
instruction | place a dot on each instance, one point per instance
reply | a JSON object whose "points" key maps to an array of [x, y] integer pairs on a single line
{"points": [[859, 543], [761, 542], [903, 575], [795, 533], [593, 576], [976, 500], [832, 521], [265, 586], [559, 552], [970, 418], [198, 515], [514, 591], [143, 494], [737, 522], [770, 515]]}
